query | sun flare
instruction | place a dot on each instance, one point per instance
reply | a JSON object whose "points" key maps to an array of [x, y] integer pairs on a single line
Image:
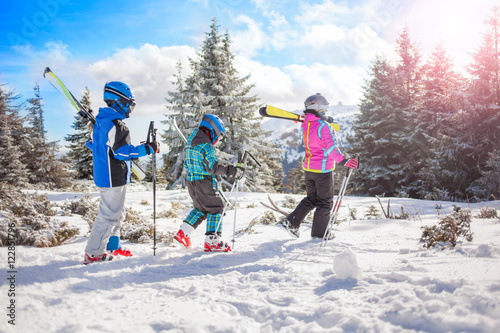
{"points": [[452, 25]]}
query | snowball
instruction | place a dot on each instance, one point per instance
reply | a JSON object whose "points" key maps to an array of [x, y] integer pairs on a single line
{"points": [[346, 266]]}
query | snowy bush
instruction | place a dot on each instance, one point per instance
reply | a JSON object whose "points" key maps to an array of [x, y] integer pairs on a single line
{"points": [[81, 206], [87, 206], [455, 225], [373, 212], [403, 215], [173, 212], [29, 214], [137, 229], [290, 202], [487, 213], [249, 229], [267, 219]]}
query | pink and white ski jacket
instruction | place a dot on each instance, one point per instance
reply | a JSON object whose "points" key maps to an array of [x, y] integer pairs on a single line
{"points": [[321, 145]]}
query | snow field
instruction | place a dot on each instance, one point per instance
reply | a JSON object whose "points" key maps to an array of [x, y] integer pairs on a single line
{"points": [[373, 277]]}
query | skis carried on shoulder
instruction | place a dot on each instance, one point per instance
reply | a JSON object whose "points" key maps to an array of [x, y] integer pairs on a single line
{"points": [[274, 112], [82, 111], [173, 122], [179, 131]]}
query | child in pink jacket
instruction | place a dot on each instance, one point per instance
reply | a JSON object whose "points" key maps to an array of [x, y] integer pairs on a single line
{"points": [[322, 153]]}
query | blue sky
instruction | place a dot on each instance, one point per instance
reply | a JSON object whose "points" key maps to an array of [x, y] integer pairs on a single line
{"points": [[292, 49]]}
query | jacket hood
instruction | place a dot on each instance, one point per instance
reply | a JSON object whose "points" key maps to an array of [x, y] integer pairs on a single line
{"points": [[108, 114]]}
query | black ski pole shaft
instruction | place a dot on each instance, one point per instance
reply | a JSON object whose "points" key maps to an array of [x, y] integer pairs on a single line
{"points": [[152, 138]]}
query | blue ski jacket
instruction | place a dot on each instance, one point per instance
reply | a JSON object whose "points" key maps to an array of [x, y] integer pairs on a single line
{"points": [[111, 149]]}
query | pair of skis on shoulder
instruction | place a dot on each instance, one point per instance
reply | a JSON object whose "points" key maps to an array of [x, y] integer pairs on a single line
{"points": [[274, 112], [82, 111]]}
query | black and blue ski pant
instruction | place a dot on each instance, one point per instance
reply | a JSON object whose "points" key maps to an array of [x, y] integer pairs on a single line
{"points": [[207, 205]]}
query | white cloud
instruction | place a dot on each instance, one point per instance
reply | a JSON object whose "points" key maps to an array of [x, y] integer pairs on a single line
{"points": [[335, 83], [248, 41], [320, 36], [323, 13], [272, 85], [148, 71]]}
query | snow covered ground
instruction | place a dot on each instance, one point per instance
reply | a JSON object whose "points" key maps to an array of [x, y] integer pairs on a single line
{"points": [[374, 276]]}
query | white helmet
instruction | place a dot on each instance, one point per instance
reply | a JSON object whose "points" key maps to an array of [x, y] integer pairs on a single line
{"points": [[316, 103]]}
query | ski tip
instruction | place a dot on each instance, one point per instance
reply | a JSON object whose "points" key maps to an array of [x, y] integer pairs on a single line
{"points": [[262, 111], [46, 70]]}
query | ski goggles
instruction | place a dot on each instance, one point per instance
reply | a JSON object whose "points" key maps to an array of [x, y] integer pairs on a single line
{"points": [[128, 103]]}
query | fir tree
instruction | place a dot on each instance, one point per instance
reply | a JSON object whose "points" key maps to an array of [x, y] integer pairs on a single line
{"points": [[483, 114], [377, 134], [295, 182], [42, 164], [387, 138], [411, 143], [79, 154], [12, 169], [173, 162], [485, 70], [442, 173], [214, 87]]}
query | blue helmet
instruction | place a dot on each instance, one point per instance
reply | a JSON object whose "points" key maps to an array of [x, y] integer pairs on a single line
{"points": [[214, 125], [119, 94]]}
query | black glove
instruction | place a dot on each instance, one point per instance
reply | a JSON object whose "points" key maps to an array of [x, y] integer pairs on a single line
{"points": [[153, 147], [350, 163], [235, 171]]}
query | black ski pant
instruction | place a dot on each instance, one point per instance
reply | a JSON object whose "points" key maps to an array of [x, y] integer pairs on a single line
{"points": [[320, 196]]}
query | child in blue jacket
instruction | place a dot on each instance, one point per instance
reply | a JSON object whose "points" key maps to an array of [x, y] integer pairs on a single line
{"points": [[111, 155]]}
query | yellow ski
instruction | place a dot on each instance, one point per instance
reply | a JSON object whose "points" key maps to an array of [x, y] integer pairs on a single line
{"points": [[274, 112]]}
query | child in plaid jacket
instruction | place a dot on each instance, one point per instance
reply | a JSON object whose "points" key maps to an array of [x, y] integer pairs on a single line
{"points": [[203, 166]]}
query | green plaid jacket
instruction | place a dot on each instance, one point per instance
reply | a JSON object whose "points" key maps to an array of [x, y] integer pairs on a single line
{"points": [[198, 159]]}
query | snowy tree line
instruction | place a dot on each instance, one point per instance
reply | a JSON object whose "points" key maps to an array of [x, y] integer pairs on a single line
{"points": [[27, 156], [425, 130]]}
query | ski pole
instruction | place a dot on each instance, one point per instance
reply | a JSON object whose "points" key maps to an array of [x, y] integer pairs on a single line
{"points": [[235, 184], [224, 210], [336, 206], [235, 213], [240, 164], [152, 136]]}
